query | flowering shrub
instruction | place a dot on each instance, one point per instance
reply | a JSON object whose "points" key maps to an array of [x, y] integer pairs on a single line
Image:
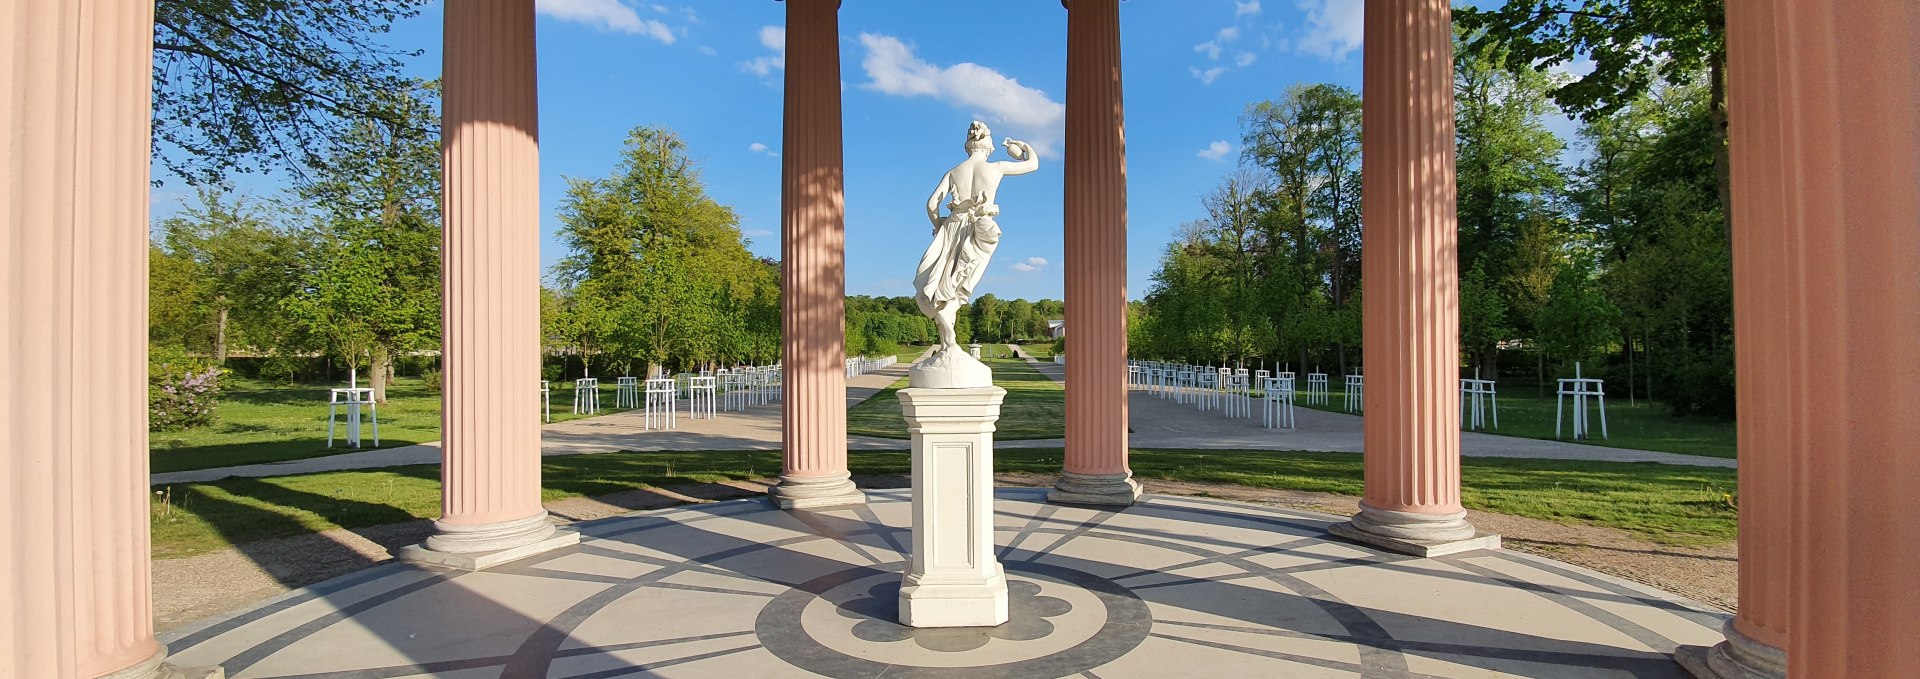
{"points": [[182, 391]]}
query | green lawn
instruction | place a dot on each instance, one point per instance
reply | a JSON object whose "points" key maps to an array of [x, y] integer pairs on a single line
{"points": [[1667, 503], [1044, 352], [909, 353], [261, 421], [1035, 407], [1524, 413]]}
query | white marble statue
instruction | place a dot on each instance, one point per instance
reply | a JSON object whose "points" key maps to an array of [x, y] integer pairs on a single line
{"points": [[963, 242]]}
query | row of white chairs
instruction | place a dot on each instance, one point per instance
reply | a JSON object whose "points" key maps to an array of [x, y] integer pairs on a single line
{"points": [[1228, 390], [706, 393], [865, 364]]}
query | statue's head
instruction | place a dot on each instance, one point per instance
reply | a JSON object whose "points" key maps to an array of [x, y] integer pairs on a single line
{"points": [[979, 138]]}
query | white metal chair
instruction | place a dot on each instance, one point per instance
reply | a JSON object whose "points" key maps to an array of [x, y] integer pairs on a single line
{"points": [[586, 395], [1477, 398], [1356, 393], [1577, 390], [1277, 407], [626, 393], [661, 403], [351, 400], [700, 398]]}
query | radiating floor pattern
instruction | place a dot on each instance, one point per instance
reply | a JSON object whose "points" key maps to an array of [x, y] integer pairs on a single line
{"points": [[1170, 587]]}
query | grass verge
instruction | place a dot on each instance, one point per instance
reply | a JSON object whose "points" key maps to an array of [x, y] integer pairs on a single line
{"points": [[262, 421], [1526, 414], [1035, 407], [1667, 503]]}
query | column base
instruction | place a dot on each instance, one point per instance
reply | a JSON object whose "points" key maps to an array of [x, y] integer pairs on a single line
{"points": [[475, 548], [157, 667], [1095, 489], [1739, 657], [1421, 535], [945, 601], [816, 492]]}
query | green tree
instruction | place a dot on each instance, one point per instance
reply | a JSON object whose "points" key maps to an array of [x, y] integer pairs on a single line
{"points": [[1634, 45], [1577, 321], [373, 291], [263, 85], [222, 271], [665, 261], [1483, 318]]}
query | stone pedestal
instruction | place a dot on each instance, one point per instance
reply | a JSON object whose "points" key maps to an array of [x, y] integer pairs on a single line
{"points": [[953, 579], [482, 546], [1419, 534]]}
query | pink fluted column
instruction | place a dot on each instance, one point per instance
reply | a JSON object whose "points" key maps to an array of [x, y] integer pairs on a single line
{"points": [[1095, 469], [1411, 310], [1769, 364], [490, 304], [75, 591], [1826, 122], [813, 313]]}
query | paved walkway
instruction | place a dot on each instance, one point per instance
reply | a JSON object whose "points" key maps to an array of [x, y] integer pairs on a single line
{"points": [[1171, 586], [1162, 423], [758, 428], [1156, 423]]}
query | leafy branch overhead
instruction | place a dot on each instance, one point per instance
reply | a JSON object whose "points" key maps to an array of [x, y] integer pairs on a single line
{"points": [[255, 86]]}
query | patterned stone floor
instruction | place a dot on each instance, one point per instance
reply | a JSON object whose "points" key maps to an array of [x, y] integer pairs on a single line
{"points": [[1170, 587]]}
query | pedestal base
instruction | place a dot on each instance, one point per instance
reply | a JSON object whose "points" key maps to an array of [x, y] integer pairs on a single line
{"points": [[157, 667], [950, 368], [484, 546], [1739, 657], [816, 492], [1422, 535], [1095, 489], [952, 578], [1425, 549], [954, 602]]}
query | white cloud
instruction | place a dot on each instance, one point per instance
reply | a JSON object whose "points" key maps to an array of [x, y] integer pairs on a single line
{"points": [[612, 15], [1212, 48], [1241, 9], [774, 38], [1207, 77], [1031, 264], [1334, 28], [1570, 70], [756, 233], [893, 68], [1245, 59], [709, 51], [1216, 151], [760, 148]]}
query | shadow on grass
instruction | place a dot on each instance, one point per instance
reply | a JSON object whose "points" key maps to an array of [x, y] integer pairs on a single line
{"points": [[163, 460], [283, 530]]}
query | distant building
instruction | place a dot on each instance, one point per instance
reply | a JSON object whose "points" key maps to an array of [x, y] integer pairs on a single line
{"points": [[1056, 328]]}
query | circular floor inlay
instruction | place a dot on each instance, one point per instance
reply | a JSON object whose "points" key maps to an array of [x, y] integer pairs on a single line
{"points": [[1061, 621]]}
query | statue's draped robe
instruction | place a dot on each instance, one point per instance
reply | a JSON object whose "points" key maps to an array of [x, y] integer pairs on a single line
{"points": [[957, 259]]}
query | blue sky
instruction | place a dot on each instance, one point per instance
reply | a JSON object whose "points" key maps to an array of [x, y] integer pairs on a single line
{"points": [[916, 72]]}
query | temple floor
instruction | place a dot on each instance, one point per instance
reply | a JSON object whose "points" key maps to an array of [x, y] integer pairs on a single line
{"points": [[1173, 586]]}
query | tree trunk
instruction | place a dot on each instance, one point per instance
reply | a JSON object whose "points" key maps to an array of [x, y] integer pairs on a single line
{"points": [[1647, 342], [1542, 373], [381, 363], [1628, 337], [220, 338], [1722, 158]]}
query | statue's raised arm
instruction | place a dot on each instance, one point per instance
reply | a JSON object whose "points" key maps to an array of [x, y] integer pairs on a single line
{"points": [[1025, 160]]}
